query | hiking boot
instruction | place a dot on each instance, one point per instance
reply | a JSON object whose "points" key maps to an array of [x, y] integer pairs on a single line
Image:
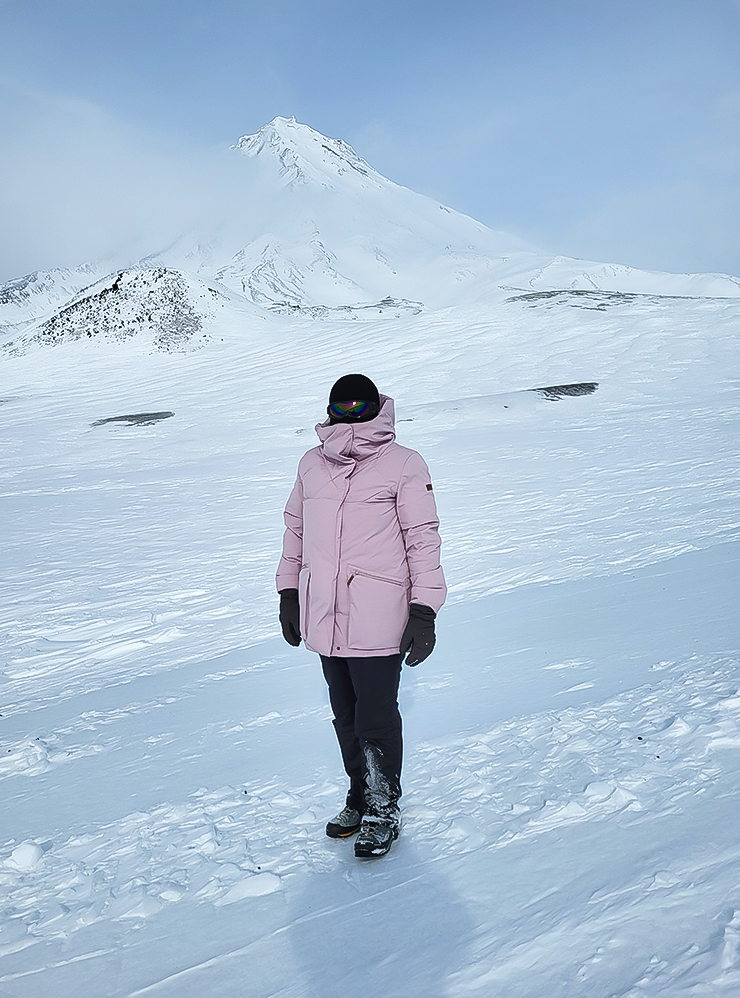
{"points": [[346, 823], [376, 837]]}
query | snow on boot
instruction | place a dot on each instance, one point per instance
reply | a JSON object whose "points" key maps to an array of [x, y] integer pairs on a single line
{"points": [[375, 838], [346, 823]]}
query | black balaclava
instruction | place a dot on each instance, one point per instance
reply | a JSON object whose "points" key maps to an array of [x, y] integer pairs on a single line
{"points": [[354, 388]]}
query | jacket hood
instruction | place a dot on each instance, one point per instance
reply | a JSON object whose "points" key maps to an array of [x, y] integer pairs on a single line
{"points": [[343, 443]]}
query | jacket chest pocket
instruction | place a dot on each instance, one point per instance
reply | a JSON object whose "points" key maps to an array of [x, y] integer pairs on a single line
{"points": [[378, 611]]}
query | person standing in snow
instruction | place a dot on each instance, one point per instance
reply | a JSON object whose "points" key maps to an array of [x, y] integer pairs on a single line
{"points": [[361, 583]]}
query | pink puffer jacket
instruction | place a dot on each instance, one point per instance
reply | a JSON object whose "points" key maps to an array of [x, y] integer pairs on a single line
{"points": [[361, 539]]}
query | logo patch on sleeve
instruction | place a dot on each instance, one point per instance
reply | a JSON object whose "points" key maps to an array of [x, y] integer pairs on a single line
{"points": [[429, 488]]}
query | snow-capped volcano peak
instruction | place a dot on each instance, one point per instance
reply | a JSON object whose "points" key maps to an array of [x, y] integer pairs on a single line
{"points": [[311, 225], [304, 154]]}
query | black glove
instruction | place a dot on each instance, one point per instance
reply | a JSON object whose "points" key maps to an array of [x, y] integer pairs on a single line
{"points": [[419, 634], [290, 616]]}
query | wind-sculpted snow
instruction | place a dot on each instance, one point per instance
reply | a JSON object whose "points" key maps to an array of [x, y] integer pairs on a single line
{"points": [[505, 812], [167, 764], [529, 490]]}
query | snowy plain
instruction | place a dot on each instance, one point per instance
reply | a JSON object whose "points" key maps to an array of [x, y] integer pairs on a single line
{"points": [[572, 747]]}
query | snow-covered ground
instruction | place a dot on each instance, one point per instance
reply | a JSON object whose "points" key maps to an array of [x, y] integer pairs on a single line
{"points": [[167, 762]]}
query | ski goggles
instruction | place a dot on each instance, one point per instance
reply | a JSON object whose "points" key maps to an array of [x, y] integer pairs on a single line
{"points": [[352, 410]]}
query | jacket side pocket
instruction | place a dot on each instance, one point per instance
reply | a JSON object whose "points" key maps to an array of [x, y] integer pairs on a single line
{"points": [[304, 587], [378, 611]]}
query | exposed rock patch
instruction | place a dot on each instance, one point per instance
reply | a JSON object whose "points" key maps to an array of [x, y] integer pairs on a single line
{"points": [[391, 307], [556, 392], [135, 419], [597, 301], [154, 303]]}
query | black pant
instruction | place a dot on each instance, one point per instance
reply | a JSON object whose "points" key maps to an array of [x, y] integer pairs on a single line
{"points": [[363, 693]]}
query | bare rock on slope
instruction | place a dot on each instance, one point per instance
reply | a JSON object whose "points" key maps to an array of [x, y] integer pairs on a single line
{"points": [[161, 305]]}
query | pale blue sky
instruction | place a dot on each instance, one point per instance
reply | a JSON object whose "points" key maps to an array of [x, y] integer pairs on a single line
{"points": [[607, 129]]}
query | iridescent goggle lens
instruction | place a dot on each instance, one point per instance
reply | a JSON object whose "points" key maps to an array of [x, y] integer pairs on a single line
{"points": [[355, 410]]}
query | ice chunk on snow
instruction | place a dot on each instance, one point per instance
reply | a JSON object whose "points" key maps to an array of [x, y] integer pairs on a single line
{"points": [[599, 792], [25, 857], [731, 947], [140, 907]]}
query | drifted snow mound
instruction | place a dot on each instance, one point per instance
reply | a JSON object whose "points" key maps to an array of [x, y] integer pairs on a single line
{"points": [[164, 307], [564, 273]]}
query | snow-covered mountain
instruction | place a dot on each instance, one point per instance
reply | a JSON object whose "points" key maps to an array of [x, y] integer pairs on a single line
{"points": [[331, 230], [317, 228], [38, 294]]}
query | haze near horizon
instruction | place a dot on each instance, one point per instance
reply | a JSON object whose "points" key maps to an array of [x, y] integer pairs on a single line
{"points": [[607, 132]]}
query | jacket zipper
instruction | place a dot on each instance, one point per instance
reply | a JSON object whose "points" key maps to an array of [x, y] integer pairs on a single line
{"points": [[378, 578], [340, 522]]}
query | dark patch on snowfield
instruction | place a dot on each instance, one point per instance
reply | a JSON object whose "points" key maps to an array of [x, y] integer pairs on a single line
{"points": [[135, 419], [556, 392], [524, 398], [597, 301]]}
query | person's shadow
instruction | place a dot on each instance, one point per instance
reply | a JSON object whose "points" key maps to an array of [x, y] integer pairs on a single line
{"points": [[379, 927]]}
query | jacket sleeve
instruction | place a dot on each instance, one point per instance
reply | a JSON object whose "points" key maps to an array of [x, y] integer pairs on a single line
{"points": [[417, 514], [292, 557]]}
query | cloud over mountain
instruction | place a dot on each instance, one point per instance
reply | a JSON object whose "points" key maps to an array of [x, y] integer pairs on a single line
{"points": [[298, 220]]}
